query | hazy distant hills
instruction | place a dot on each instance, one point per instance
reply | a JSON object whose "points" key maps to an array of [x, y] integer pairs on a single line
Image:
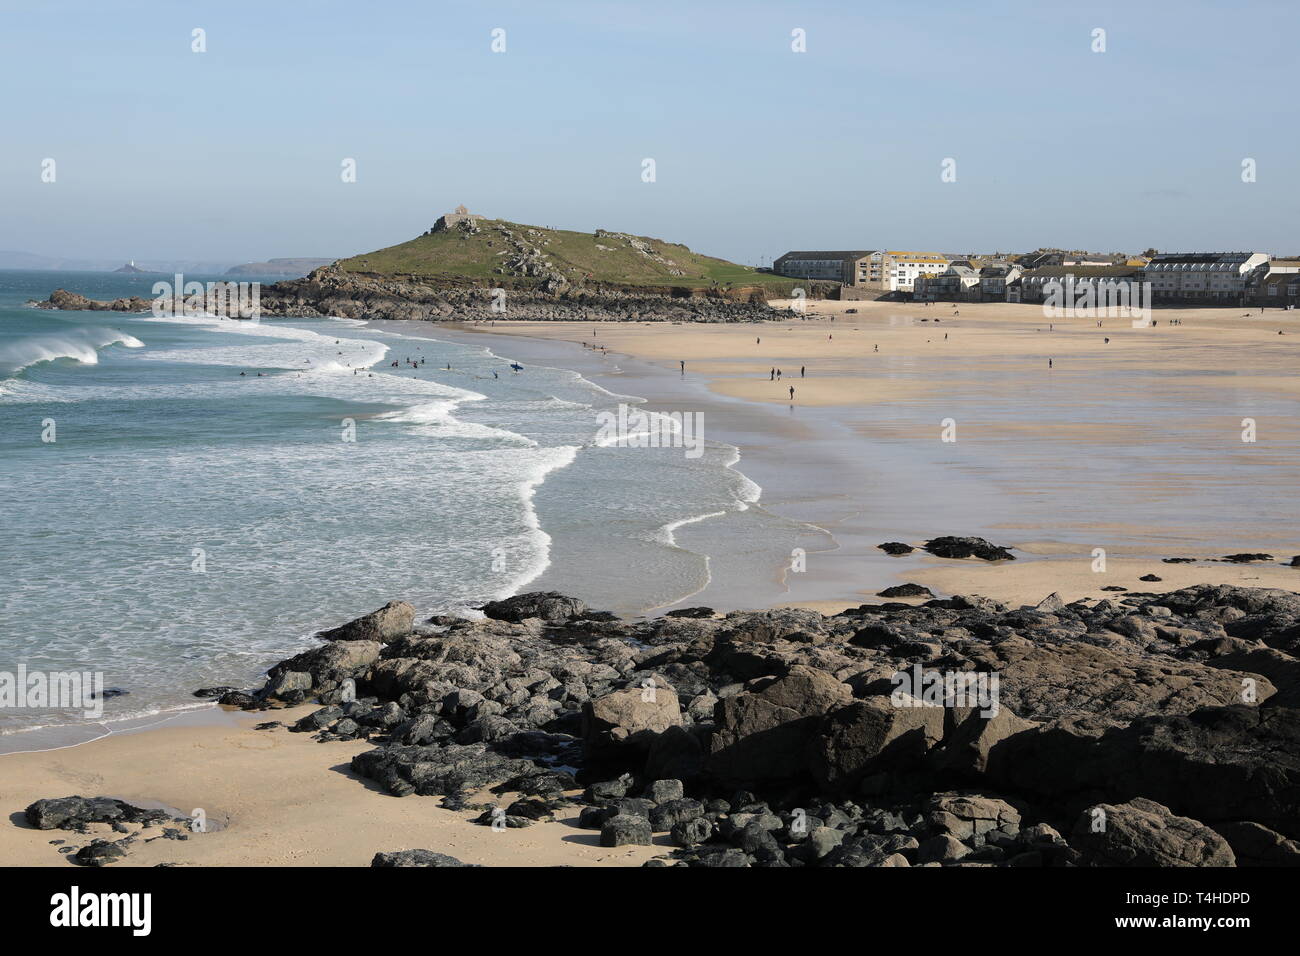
{"points": [[289, 268]]}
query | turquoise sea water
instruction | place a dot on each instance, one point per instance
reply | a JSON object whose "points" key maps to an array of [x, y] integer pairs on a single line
{"points": [[189, 525]]}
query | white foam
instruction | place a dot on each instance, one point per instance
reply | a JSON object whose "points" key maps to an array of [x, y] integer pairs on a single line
{"points": [[80, 344]]}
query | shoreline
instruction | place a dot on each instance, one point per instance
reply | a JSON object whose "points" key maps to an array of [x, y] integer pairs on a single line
{"points": [[217, 753]]}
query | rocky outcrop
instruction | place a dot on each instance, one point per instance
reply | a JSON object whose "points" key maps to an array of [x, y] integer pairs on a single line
{"points": [[533, 292], [957, 732]]}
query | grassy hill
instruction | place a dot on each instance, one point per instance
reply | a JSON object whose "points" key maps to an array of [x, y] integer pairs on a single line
{"points": [[495, 251]]}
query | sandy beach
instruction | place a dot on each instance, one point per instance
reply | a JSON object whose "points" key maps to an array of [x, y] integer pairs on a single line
{"points": [[273, 798], [882, 378]]}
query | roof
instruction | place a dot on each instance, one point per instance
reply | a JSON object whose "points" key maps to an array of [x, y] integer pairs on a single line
{"points": [[1181, 257], [1082, 272], [924, 256], [1280, 278], [841, 254]]}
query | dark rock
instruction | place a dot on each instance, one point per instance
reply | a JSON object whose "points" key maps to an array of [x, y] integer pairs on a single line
{"points": [[895, 547], [99, 853], [392, 621], [550, 606], [949, 546], [75, 813], [624, 830], [764, 734], [691, 612], [416, 858], [691, 832], [905, 590]]}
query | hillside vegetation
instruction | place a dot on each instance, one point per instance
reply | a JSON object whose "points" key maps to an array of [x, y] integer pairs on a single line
{"points": [[495, 251]]}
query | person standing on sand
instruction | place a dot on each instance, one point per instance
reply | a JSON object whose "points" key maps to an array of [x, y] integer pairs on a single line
{"points": [[792, 393], [1049, 363], [758, 341], [771, 375], [683, 361], [802, 370]]}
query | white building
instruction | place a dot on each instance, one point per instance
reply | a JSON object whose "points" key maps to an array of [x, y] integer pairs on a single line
{"points": [[1203, 275], [894, 270]]}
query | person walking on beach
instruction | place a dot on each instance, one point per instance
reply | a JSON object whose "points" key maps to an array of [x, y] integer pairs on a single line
{"points": [[771, 375], [1049, 363], [792, 393], [683, 361], [778, 375], [802, 370]]}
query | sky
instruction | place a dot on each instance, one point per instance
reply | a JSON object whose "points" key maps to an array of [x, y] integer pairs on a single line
{"points": [[237, 153]]}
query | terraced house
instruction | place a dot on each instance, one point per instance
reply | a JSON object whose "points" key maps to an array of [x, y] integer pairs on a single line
{"points": [[1034, 282], [1204, 276]]}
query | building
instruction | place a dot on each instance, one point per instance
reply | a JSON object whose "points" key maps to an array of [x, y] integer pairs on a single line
{"points": [[996, 279], [1278, 290], [455, 218], [1033, 282], [1043, 258], [1204, 276], [848, 267], [958, 282], [897, 271], [1275, 266]]}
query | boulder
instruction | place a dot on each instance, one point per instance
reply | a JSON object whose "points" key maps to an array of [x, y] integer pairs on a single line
{"points": [[762, 734], [1142, 832], [395, 619], [895, 547], [416, 858], [75, 813], [868, 736], [949, 546], [550, 606], [625, 830], [1256, 845], [629, 718], [905, 590]]}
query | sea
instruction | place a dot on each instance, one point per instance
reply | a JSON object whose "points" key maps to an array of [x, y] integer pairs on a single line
{"points": [[188, 500]]}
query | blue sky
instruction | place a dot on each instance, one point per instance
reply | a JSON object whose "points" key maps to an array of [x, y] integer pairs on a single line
{"points": [[235, 153]]}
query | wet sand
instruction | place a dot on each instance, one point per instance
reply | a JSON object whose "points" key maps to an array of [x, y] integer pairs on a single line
{"points": [[1133, 447]]}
